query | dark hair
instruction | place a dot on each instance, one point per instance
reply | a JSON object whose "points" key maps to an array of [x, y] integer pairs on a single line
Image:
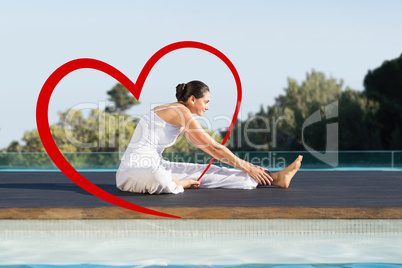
{"points": [[185, 91]]}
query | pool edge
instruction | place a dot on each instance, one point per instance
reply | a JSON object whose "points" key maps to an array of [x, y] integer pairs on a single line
{"points": [[277, 212]]}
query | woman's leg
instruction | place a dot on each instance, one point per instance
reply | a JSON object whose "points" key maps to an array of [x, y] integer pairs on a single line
{"points": [[186, 174], [215, 177]]}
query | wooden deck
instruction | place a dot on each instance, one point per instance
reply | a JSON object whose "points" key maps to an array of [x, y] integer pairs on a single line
{"points": [[312, 195]]}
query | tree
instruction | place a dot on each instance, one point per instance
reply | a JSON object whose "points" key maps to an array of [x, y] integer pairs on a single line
{"points": [[355, 110], [32, 142], [99, 132], [300, 102], [14, 147], [384, 85], [122, 99], [286, 118], [385, 82]]}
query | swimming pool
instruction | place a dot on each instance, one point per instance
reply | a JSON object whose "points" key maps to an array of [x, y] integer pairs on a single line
{"points": [[187, 243]]}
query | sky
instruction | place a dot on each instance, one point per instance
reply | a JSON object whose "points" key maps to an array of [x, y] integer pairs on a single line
{"points": [[267, 41]]}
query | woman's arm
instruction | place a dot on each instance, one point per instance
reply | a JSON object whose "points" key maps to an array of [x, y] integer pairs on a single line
{"points": [[195, 133]]}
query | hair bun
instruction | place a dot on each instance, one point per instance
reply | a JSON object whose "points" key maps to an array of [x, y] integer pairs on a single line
{"points": [[180, 90], [193, 88]]}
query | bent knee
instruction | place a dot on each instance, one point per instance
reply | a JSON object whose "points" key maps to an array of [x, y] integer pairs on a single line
{"points": [[157, 184]]}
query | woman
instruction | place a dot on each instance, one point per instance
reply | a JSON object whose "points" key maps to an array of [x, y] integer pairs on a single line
{"points": [[143, 170]]}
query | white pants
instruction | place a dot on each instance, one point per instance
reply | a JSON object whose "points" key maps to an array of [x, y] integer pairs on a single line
{"points": [[158, 179]]}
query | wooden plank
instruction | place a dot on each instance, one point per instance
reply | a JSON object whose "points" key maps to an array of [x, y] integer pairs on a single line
{"points": [[205, 213]]}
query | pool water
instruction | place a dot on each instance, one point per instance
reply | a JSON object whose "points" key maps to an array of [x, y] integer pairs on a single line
{"points": [[349, 265], [200, 243]]}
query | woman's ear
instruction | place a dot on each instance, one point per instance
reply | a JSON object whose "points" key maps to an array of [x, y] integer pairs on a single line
{"points": [[192, 99]]}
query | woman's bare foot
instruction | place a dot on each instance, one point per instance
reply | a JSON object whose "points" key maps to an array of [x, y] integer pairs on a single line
{"points": [[282, 178], [187, 184]]}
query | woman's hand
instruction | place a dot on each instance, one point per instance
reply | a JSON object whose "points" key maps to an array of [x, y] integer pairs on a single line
{"points": [[261, 175]]}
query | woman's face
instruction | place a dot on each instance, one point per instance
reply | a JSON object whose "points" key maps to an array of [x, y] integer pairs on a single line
{"points": [[199, 106]]}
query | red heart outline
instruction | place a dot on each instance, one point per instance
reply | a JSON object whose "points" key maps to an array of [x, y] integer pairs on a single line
{"points": [[53, 151]]}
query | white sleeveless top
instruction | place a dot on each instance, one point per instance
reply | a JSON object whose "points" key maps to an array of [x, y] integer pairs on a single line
{"points": [[152, 134]]}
